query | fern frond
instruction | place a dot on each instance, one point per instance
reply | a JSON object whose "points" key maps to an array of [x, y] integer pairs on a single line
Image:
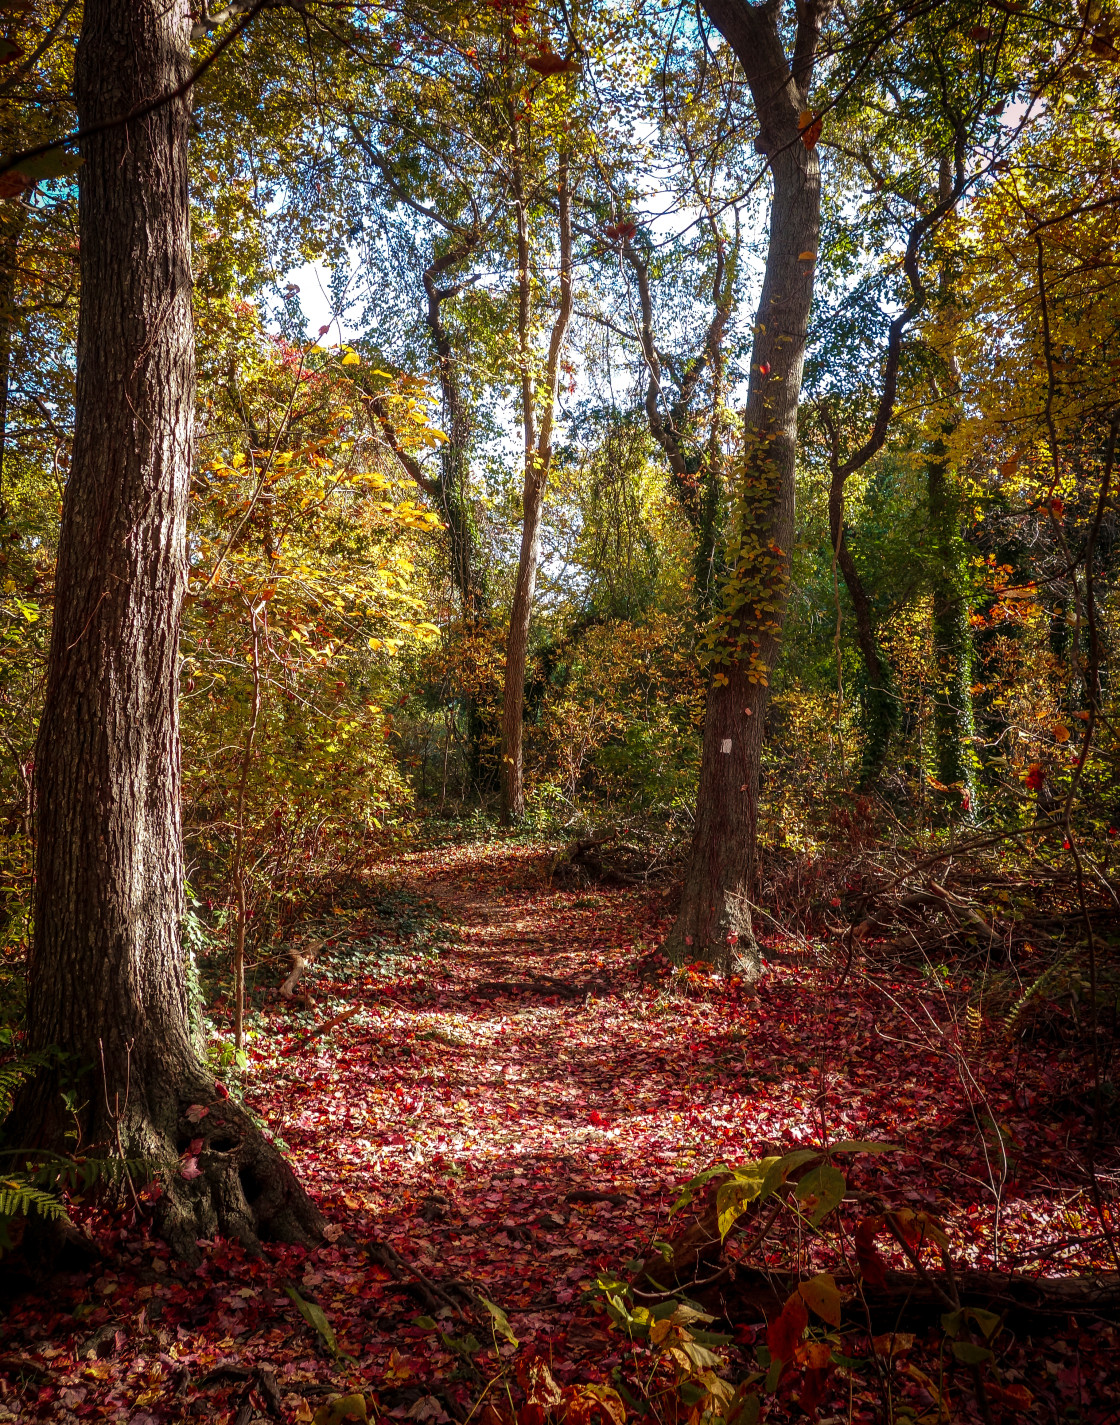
{"points": [[1038, 986], [18, 1072], [19, 1197]]}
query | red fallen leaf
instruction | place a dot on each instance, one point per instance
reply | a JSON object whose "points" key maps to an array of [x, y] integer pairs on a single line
{"points": [[196, 1113], [190, 1169], [586, 1402], [784, 1333], [764, 368], [813, 1391], [1036, 775], [1015, 1395], [871, 1265], [221, 1090]]}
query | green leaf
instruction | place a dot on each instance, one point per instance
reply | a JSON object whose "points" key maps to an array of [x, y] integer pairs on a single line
{"points": [[951, 1322], [316, 1318], [746, 1412], [688, 1189], [340, 1410], [691, 1393], [820, 1190], [426, 1323], [733, 1199], [988, 1321], [55, 164], [501, 1321], [780, 1168], [969, 1354]]}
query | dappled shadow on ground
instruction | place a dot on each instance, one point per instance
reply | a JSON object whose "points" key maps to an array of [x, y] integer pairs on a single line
{"points": [[511, 1107]]}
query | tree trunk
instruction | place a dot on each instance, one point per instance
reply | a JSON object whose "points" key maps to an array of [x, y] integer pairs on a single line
{"points": [[11, 230], [881, 712], [695, 466], [714, 921], [538, 462], [106, 981], [953, 721]]}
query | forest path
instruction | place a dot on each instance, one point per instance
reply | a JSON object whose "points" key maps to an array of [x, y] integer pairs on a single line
{"points": [[541, 1056], [510, 1101]]}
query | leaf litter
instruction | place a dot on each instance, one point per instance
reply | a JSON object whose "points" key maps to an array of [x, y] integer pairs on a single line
{"points": [[496, 1104]]}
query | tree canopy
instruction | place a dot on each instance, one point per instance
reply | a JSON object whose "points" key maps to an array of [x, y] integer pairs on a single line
{"points": [[667, 452]]}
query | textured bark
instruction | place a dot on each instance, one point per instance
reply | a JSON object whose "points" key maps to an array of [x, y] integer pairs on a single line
{"points": [[106, 979], [538, 464], [714, 920]]}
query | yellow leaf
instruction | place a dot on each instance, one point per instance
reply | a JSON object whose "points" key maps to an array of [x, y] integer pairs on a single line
{"points": [[351, 359], [343, 1408], [822, 1295], [806, 257], [1061, 733]]}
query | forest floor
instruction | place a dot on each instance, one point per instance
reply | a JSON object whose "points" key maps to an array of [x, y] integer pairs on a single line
{"points": [[518, 1091]]}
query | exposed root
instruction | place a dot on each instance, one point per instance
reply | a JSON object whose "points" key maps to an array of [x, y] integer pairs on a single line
{"points": [[236, 1185]]}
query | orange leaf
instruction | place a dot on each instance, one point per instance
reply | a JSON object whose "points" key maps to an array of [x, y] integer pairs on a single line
{"points": [[1061, 732], [784, 1333], [549, 64], [871, 1265], [810, 127]]}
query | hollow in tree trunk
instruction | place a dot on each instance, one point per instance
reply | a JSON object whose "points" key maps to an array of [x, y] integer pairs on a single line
{"points": [[106, 980], [714, 920]]}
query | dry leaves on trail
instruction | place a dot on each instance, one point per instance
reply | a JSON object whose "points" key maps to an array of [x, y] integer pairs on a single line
{"points": [[513, 1144]]}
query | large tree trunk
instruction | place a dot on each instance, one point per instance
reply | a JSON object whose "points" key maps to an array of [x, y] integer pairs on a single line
{"points": [[106, 977], [714, 921], [538, 463]]}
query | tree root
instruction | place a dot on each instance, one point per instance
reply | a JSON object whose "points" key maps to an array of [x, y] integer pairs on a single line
{"points": [[434, 1295], [919, 1295], [236, 1185], [217, 1174]]}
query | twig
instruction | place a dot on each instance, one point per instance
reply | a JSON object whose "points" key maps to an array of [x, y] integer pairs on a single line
{"points": [[323, 1028]]}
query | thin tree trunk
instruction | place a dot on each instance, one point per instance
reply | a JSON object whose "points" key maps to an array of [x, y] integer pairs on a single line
{"points": [[695, 467], [953, 719], [881, 710], [714, 920], [106, 978], [239, 845], [13, 225], [538, 463]]}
